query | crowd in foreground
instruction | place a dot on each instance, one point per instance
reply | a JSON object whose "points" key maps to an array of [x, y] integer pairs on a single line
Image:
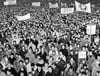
{"points": [[48, 44]]}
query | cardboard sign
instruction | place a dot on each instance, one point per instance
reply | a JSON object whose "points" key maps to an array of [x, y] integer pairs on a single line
{"points": [[82, 54], [91, 29]]}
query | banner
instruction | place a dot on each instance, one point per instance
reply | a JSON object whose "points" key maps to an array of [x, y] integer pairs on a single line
{"points": [[83, 7], [10, 2], [91, 29], [22, 18], [67, 10], [53, 5], [37, 4]]}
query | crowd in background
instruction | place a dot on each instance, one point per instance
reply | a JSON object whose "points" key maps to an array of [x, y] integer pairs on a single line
{"points": [[48, 44]]}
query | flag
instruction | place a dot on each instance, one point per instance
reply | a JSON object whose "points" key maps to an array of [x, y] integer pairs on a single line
{"points": [[22, 18], [10, 2], [67, 10], [91, 29], [83, 7], [53, 5], [37, 4]]}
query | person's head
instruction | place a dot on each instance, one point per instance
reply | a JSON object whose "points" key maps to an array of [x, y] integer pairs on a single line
{"points": [[90, 54], [71, 52], [39, 66], [9, 65], [5, 57], [60, 53], [1, 49], [21, 62], [53, 48], [32, 65], [83, 73], [14, 42], [19, 56], [22, 73], [78, 45], [27, 60], [38, 57], [46, 64], [28, 37], [23, 48], [8, 72], [30, 50], [12, 55], [23, 42], [63, 47], [30, 74], [71, 60], [50, 69], [70, 70], [83, 48], [14, 49], [83, 61], [98, 57], [53, 52], [16, 55]]}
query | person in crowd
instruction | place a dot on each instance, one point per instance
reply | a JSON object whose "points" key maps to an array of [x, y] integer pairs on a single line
{"points": [[28, 65], [12, 59], [10, 70], [2, 72], [50, 72]]}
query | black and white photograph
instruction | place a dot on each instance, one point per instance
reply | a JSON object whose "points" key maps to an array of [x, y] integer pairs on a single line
{"points": [[49, 37]]}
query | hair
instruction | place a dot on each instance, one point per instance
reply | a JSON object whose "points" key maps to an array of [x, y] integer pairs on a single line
{"points": [[30, 73], [21, 61], [26, 58], [50, 67], [32, 64], [5, 56], [21, 72], [12, 54]]}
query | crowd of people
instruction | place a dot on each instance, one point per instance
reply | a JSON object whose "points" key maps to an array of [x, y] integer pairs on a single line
{"points": [[48, 44]]}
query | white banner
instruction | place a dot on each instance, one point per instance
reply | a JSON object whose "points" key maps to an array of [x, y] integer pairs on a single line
{"points": [[53, 5], [10, 2], [22, 18], [67, 10], [83, 7], [37, 4], [91, 29]]}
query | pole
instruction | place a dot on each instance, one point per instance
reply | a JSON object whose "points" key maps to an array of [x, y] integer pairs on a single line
{"points": [[90, 37]]}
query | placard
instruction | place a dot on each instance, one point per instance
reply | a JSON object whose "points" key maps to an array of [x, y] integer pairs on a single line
{"points": [[91, 29], [82, 54]]}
